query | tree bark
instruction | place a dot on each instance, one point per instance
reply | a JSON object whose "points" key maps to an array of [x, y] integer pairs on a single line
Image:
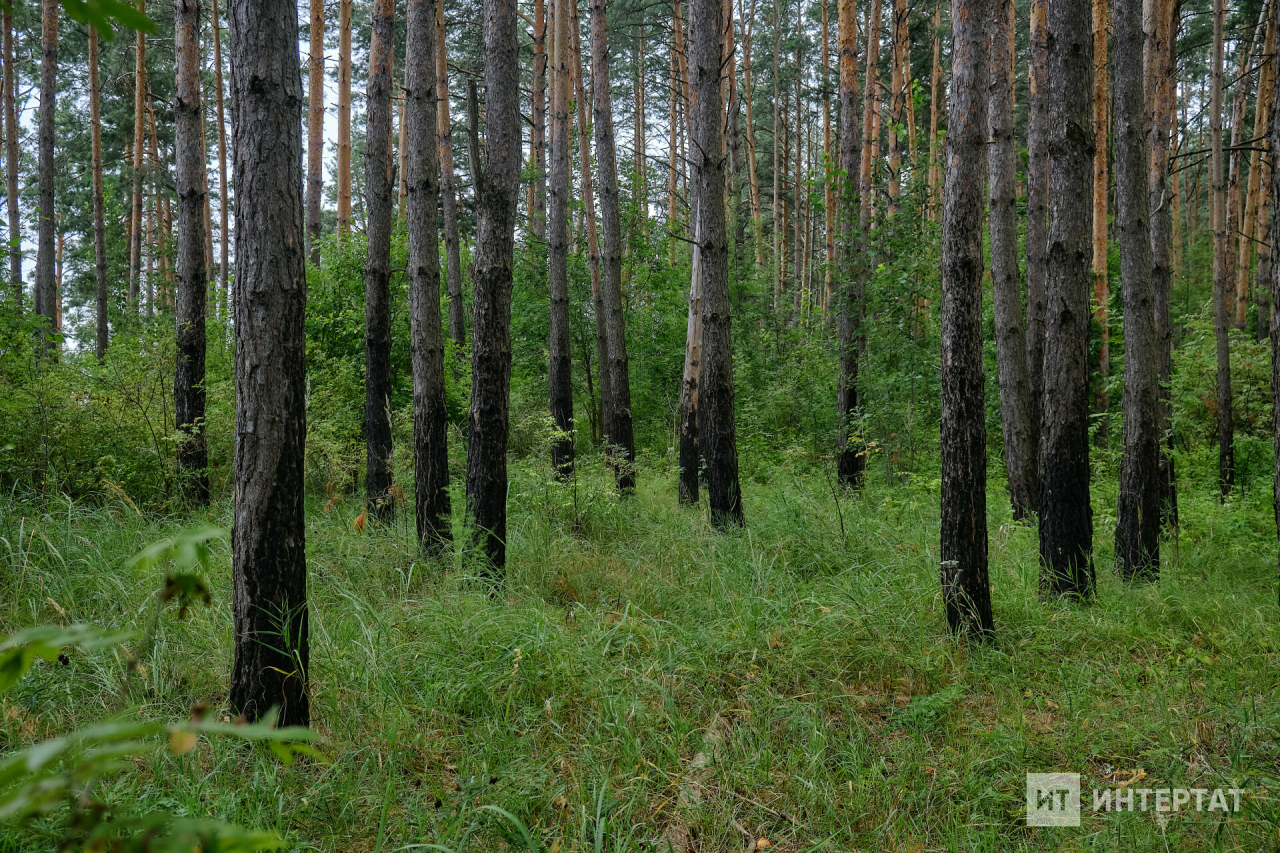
{"points": [[690, 458], [224, 202], [99, 216], [377, 270], [850, 458], [46, 289], [498, 182], [1238, 299], [1066, 517], [557, 232], [11, 165], [315, 129], [448, 189], [188, 145], [1138, 513], [422, 184], [1275, 299], [139, 156], [716, 431], [828, 168], [897, 98], [538, 130], [1101, 295], [272, 660], [1254, 186], [344, 119], [1037, 233], [966, 589], [935, 104], [1016, 412], [1221, 269], [618, 420]]}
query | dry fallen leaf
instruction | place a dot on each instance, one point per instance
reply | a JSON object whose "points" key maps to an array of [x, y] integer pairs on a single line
{"points": [[762, 843], [181, 741]]}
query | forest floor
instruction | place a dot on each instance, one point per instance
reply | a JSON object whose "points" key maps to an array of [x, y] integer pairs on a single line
{"points": [[644, 683]]}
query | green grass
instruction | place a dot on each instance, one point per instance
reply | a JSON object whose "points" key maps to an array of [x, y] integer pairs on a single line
{"points": [[644, 681]]}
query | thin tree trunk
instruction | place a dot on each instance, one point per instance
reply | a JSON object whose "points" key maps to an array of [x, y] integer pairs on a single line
{"points": [[1066, 517], [224, 190], [11, 164], [1141, 489], [448, 189], [756, 224], [538, 131], [673, 170], [897, 99], [1221, 269], [139, 156], [377, 270], [871, 134], [269, 564], [618, 420], [46, 291], [850, 456], [828, 168], [1254, 186], [716, 432], [779, 261], [966, 590], [1101, 296], [1016, 411], [1237, 299], [498, 182], [422, 184], [344, 119], [689, 454], [560, 368], [935, 106], [315, 129], [639, 188], [1275, 298], [99, 223], [1037, 234]]}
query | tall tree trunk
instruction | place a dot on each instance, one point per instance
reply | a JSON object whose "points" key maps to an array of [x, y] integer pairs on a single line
{"points": [[716, 432], [1101, 295], [897, 99], [850, 458], [46, 291], [448, 189], [1066, 517], [870, 137], [315, 129], [99, 223], [757, 227], [538, 131], [1016, 411], [639, 190], [618, 420], [268, 540], [560, 184], [829, 212], [935, 105], [377, 269], [1037, 233], [344, 119], [139, 156], [498, 182], [11, 164], [1254, 188], [690, 456], [966, 590], [1238, 299], [1138, 514], [422, 183], [224, 190], [1275, 298], [188, 145], [1221, 269], [779, 261]]}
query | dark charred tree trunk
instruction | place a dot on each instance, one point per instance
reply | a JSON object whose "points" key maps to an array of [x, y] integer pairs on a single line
{"points": [[422, 182], [1066, 517], [448, 190], [272, 661], [498, 184], [188, 146], [1221, 269], [1016, 411], [315, 128], [1037, 205], [1138, 515], [966, 589], [618, 421], [850, 460], [46, 285], [11, 165], [99, 215], [557, 233], [716, 430], [377, 269]]}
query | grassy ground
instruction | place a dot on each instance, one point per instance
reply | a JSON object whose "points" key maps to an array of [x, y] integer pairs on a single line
{"points": [[645, 682]]}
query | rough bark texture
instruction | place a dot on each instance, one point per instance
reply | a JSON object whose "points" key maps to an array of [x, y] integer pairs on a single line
{"points": [[850, 461], [11, 165], [1138, 515], [498, 182], [139, 155], [1275, 297], [224, 202], [1066, 517], [617, 410], [448, 190], [1101, 294], [538, 128], [377, 269], [46, 284], [188, 149], [1221, 268], [690, 458], [99, 221], [716, 432], [557, 233], [315, 128], [272, 663], [343, 169], [935, 101], [966, 590], [422, 183], [1016, 412], [1037, 236]]}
